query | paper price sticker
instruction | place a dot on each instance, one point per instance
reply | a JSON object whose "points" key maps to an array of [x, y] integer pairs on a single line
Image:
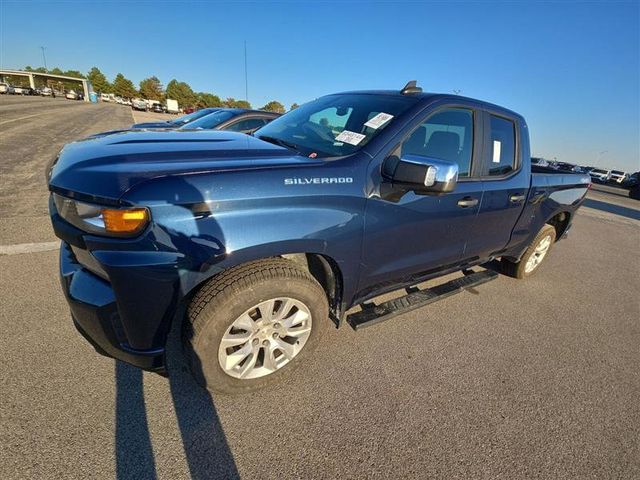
{"points": [[497, 146], [352, 138], [378, 121]]}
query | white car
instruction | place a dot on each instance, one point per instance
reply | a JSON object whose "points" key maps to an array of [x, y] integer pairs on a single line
{"points": [[600, 175], [71, 95], [105, 97], [139, 104], [46, 92], [19, 91], [540, 162], [5, 88], [617, 176]]}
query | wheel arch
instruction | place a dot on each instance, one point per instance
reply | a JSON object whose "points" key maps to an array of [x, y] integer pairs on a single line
{"points": [[322, 267], [560, 222], [328, 274]]}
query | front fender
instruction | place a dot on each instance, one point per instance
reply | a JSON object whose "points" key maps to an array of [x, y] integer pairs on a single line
{"points": [[219, 221]]}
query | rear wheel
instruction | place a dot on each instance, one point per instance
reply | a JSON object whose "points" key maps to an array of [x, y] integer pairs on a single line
{"points": [[533, 256], [253, 324]]}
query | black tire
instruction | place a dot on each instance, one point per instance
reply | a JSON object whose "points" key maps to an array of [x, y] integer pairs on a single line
{"points": [[634, 192], [225, 297], [518, 269]]}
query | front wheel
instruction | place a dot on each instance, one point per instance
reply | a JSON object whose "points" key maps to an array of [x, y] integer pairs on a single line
{"points": [[251, 325], [533, 256]]}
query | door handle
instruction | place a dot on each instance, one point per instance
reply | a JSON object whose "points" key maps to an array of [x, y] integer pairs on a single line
{"points": [[516, 198], [467, 202]]}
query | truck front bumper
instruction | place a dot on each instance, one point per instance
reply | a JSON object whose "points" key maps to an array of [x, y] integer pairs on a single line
{"points": [[96, 316]]}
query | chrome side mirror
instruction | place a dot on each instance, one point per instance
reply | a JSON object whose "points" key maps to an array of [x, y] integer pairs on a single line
{"points": [[421, 174]]}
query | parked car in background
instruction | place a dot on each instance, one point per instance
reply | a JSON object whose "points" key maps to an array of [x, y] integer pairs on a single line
{"points": [[176, 122], [600, 175], [232, 119], [71, 95], [157, 108], [632, 183], [6, 88], [539, 162], [565, 166], [46, 92], [104, 97], [139, 104], [617, 176], [19, 90]]}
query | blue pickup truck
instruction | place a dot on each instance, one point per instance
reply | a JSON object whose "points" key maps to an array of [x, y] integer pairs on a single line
{"points": [[255, 245]]}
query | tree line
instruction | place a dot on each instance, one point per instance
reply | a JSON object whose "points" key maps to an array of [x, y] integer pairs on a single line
{"points": [[152, 89]]}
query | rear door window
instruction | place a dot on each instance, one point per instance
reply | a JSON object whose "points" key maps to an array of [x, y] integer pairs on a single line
{"points": [[502, 147]]}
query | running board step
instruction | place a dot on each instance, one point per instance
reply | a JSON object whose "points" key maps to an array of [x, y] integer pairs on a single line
{"points": [[372, 314]]}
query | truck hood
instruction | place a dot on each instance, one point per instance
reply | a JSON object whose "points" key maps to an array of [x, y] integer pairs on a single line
{"points": [[105, 167]]}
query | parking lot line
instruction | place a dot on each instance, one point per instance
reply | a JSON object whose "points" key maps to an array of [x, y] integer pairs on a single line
{"points": [[22, 118], [28, 248]]}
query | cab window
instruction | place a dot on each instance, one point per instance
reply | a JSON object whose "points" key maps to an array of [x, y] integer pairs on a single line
{"points": [[502, 148], [446, 135]]}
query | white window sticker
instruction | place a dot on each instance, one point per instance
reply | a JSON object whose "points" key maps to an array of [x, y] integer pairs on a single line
{"points": [[352, 138], [496, 151], [378, 121]]}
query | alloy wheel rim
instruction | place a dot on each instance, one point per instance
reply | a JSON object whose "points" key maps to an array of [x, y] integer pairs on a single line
{"points": [[538, 254], [265, 338]]}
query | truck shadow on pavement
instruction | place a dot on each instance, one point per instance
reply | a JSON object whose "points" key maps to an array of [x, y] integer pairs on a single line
{"points": [[206, 450], [612, 208]]}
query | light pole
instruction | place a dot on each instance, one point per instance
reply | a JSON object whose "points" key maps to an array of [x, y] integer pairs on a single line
{"points": [[246, 75], [44, 58], [600, 154]]}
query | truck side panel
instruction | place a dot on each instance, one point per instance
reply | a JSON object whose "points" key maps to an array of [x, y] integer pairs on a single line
{"points": [[550, 195]]}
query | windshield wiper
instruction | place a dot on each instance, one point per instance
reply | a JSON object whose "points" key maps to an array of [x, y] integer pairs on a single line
{"points": [[280, 142]]}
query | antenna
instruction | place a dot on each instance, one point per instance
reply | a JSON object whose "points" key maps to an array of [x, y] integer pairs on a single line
{"points": [[411, 87]]}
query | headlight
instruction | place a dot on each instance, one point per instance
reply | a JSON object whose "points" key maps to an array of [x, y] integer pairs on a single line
{"points": [[112, 222]]}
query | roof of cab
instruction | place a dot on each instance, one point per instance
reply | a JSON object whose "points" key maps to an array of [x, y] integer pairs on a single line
{"points": [[428, 97]]}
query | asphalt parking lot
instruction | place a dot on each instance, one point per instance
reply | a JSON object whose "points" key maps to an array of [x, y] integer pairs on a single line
{"points": [[521, 379]]}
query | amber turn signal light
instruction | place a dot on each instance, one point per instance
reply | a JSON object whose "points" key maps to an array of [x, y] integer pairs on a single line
{"points": [[125, 221]]}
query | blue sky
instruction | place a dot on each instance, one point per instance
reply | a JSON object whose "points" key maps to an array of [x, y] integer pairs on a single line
{"points": [[571, 68]]}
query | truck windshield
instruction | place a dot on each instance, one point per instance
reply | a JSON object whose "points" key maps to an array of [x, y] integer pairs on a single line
{"points": [[335, 125], [209, 121]]}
